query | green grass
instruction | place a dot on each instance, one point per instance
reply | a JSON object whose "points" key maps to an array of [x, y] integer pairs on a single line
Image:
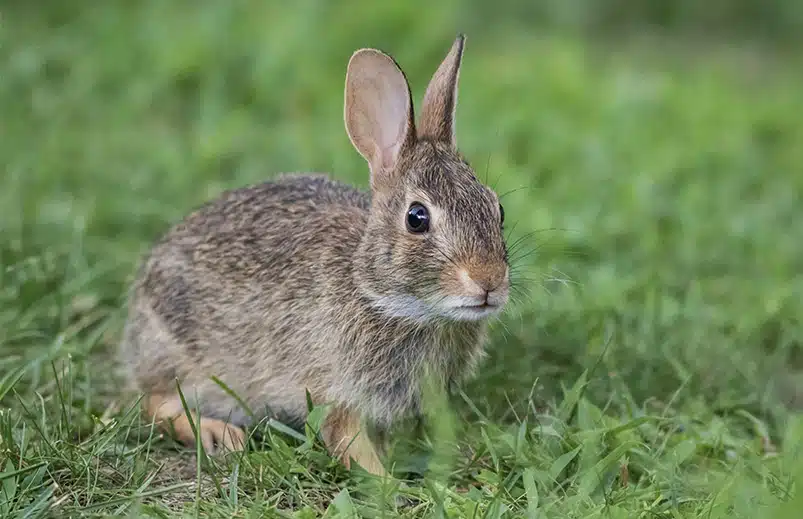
{"points": [[653, 368]]}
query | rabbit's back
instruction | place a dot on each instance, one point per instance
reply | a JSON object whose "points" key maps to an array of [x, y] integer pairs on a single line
{"points": [[264, 218], [234, 291]]}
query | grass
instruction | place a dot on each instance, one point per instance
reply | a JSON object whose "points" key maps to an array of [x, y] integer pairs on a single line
{"points": [[652, 369]]}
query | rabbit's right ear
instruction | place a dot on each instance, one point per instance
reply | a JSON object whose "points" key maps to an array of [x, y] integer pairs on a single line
{"points": [[378, 111]]}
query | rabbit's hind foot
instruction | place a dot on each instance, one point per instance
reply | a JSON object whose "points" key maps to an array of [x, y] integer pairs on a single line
{"points": [[216, 435]]}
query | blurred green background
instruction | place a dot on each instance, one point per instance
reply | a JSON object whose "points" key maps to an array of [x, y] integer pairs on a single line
{"points": [[649, 151], [660, 168]]}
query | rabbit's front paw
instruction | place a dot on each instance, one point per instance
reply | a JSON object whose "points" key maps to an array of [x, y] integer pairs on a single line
{"points": [[218, 436], [343, 435]]}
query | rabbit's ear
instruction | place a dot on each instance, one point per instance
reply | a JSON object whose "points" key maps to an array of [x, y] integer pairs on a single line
{"points": [[440, 99], [378, 111]]}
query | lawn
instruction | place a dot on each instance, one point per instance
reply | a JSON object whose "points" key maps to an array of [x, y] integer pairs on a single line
{"points": [[651, 366]]}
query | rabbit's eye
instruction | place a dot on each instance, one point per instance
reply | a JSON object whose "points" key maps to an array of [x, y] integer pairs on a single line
{"points": [[417, 218], [501, 214]]}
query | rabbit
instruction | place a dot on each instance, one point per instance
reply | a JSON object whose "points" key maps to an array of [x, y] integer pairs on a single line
{"points": [[303, 285]]}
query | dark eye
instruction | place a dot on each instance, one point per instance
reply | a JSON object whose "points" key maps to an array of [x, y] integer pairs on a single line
{"points": [[502, 214], [417, 218]]}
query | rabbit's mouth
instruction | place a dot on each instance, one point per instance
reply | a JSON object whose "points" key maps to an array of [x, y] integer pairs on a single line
{"points": [[474, 311], [473, 307], [479, 307]]}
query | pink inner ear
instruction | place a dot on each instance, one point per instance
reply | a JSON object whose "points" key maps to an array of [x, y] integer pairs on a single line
{"points": [[388, 157], [377, 108], [391, 109]]}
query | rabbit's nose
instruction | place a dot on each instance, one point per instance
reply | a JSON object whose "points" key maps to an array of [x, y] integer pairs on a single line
{"points": [[487, 278], [487, 284]]}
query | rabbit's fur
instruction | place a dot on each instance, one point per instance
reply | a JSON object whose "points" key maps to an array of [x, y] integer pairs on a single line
{"points": [[306, 284]]}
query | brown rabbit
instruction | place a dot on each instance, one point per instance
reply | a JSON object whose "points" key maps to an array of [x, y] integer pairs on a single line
{"points": [[306, 284]]}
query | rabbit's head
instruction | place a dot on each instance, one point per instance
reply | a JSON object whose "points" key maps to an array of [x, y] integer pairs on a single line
{"points": [[433, 247]]}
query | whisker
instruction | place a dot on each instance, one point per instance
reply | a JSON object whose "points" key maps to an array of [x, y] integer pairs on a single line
{"points": [[518, 298], [511, 191], [513, 249], [512, 229], [518, 257], [517, 285], [448, 258], [524, 280], [531, 233], [563, 281], [519, 280], [523, 285], [556, 269], [520, 272], [487, 167]]}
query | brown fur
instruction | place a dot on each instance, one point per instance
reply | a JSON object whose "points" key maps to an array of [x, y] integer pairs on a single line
{"points": [[345, 438], [306, 284]]}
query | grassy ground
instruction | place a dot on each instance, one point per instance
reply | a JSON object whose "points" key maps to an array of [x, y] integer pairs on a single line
{"points": [[651, 371]]}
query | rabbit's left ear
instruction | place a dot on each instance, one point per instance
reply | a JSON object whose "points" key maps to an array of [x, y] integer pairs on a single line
{"points": [[378, 112], [440, 99]]}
